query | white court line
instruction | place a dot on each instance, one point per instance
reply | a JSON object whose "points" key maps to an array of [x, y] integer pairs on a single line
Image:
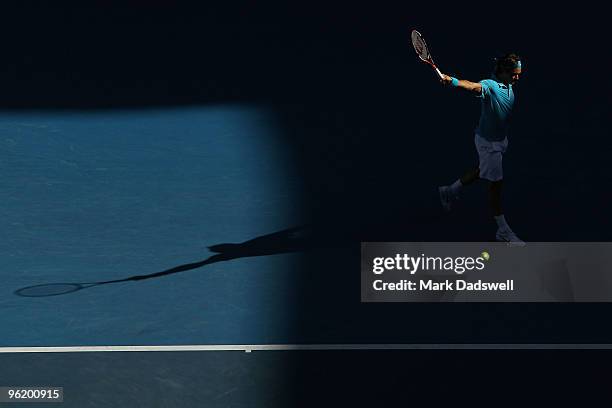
{"points": [[297, 347]]}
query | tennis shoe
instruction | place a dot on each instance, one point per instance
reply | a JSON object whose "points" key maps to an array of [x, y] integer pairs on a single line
{"points": [[507, 235], [447, 197]]}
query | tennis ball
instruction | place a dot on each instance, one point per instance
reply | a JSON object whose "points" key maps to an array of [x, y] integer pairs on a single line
{"points": [[485, 255]]}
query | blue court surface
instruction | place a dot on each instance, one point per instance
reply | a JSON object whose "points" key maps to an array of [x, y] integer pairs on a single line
{"points": [[104, 195], [212, 207]]}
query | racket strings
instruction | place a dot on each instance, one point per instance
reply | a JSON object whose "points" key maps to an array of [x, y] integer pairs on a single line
{"points": [[419, 45]]}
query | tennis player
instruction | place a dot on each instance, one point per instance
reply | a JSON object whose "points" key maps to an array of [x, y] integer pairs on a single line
{"points": [[491, 139]]}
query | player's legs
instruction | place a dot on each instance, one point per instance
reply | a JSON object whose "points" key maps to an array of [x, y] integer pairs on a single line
{"points": [[490, 155], [491, 169], [470, 176], [495, 190], [450, 193], [504, 232]]}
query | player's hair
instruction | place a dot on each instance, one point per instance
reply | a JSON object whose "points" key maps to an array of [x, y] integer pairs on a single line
{"points": [[506, 62]]}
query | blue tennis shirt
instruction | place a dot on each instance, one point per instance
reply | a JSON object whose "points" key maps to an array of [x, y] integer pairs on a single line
{"points": [[496, 110]]}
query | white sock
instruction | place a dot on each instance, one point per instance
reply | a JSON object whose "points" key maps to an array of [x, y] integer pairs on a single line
{"points": [[456, 187], [501, 223]]}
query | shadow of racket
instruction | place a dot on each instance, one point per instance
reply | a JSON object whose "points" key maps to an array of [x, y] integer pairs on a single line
{"points": [[55, 289]]}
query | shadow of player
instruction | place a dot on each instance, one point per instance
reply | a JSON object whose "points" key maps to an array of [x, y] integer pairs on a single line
{"points": [[290, 240]]}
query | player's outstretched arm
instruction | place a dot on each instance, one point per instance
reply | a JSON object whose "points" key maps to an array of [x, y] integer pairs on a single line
{"points": [[473, 87]]}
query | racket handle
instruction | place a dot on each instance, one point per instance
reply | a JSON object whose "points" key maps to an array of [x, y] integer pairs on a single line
{"points": [[438, 71]]}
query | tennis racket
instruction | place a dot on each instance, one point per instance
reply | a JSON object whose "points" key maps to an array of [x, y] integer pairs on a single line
{"points": [[420, 46]]}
